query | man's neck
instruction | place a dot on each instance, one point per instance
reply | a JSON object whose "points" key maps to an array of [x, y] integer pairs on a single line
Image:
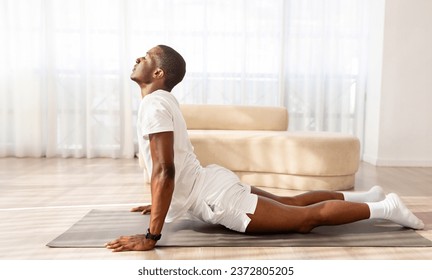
{"points": [[146, 90]]}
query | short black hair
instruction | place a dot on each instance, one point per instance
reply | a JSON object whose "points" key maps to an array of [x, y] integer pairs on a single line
{"points": [[173, 65]]}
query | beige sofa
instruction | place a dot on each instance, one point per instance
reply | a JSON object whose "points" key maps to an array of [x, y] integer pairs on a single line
{"points": [[255, 144]]}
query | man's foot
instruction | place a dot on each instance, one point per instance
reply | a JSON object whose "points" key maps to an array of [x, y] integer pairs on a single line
{"points": [[375, 194], [393, 209]]}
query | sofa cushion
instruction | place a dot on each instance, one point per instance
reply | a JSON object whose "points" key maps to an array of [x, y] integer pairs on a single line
{"points": [[280, 152], [232, 117]]}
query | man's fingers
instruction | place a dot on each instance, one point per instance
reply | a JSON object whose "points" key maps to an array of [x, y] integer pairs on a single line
{"points": [[136, 242], [120, 249], [113, 247], [111, 243], [115, 243], [116, 246], [142, 209]]}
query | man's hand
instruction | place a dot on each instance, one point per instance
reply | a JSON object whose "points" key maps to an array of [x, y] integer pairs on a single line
{"points": [[143, 209], [131, 243]]}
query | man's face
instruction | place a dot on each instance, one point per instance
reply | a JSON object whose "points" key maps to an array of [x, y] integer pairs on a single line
{"points": [[145, 67]]}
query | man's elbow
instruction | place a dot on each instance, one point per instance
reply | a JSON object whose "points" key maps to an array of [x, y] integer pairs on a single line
{"points": [[165, 171]]}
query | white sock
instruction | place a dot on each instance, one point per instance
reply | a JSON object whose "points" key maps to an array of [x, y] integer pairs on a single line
{"points": [[392, 208], [375, 194]]}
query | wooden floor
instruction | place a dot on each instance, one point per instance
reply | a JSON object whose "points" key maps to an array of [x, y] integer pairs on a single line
{"points": [[41, 198]]}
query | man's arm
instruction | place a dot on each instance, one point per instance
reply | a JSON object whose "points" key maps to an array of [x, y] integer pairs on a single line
{"points": [[162, 178], [162, 188]]}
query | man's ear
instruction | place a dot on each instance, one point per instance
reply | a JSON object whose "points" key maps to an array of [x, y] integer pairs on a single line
{"points": [[158, 73]]}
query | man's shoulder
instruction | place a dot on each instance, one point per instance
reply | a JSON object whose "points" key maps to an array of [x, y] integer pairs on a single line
{"points": [[161, 102], [154, 105], [159, 96], [153, 100]]}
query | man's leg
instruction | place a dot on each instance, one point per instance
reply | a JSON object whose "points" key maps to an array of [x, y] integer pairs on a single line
{"points": [[286, 218], [374, 194], [304, 199]]}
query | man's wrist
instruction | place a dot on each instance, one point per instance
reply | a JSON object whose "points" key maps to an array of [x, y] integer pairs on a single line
{"points": [[154, 237], [150, 243]]}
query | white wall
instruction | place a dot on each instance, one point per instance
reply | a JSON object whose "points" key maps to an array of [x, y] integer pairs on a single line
{"points": [[398, 124]]}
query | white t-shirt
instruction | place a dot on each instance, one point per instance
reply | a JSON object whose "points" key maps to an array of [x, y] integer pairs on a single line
{"points": [[160, 112]]}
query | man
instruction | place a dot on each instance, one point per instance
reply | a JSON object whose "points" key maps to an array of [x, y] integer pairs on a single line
{"points": [[181, 186]]}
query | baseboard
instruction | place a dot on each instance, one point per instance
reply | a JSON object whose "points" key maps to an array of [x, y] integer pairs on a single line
{"points": [[370, 159], [397, 162]]}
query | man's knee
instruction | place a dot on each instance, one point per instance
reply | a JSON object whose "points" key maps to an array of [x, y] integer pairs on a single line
{"points": [[305, 228], [308, 221]]}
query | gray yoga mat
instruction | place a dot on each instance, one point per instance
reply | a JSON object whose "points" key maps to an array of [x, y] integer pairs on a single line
{"points": [[100, 226]]}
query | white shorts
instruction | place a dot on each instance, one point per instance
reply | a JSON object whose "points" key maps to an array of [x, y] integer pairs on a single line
{"points": [[229, 207]]}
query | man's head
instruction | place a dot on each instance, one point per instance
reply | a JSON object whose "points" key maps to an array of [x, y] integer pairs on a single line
{"points": [[162, 67]]}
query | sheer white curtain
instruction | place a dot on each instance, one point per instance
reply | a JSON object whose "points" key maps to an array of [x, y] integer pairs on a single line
{"points": [[65, 79], [65, 66], [325, 55]]}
